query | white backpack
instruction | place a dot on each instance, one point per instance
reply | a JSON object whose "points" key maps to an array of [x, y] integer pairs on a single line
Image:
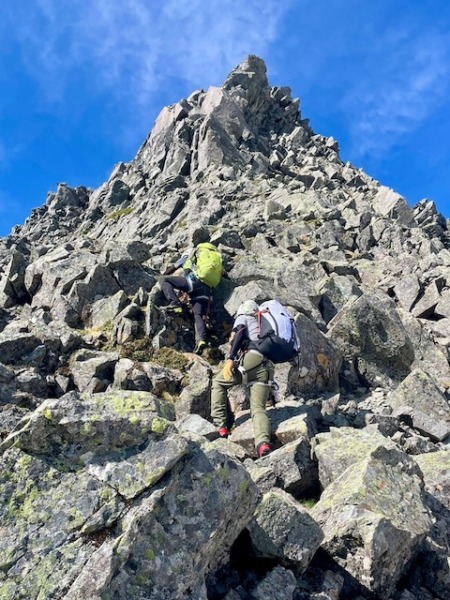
{"points": [[277, 338]]}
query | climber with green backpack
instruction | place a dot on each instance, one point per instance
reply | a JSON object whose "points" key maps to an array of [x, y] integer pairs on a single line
{"points": [[202, 272]]}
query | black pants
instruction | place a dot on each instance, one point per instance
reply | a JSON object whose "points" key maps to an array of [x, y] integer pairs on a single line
{"points": [[198, 294]]}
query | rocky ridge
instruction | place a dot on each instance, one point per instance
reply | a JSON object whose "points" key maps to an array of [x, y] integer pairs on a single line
{"points": [[113, 482]]}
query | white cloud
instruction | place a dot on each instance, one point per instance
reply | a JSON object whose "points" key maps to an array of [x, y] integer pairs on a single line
{"points": [[399, 93], [136, 46]]}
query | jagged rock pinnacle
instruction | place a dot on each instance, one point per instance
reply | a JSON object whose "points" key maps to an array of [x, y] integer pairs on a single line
{"points": [[251, 74]]}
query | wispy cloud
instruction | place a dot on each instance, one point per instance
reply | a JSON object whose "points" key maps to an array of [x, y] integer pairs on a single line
{"points": [[135, 46], [397, 95]]}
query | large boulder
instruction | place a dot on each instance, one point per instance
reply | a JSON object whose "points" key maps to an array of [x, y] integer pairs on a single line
{"points": [[282, 529], [164, 546], [290, 468], [320, 360], [91, 423], [374, 519], [373, 340], [433, 559], [97, 484], [12, 283], [342, 447], [419, 402]]}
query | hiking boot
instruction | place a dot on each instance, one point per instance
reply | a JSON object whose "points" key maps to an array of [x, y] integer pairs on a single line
{"points": [[263, 449], [175, 307], [224, 432], [199, 347]]}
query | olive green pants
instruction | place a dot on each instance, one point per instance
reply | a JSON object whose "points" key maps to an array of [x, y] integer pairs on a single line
{"points": [[259, 373]]}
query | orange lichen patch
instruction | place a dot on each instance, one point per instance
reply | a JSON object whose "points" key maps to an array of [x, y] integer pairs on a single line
{"points": [[323, 360]]}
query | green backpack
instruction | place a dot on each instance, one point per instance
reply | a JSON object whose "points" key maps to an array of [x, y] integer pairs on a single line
{"points": [[207, 264]]}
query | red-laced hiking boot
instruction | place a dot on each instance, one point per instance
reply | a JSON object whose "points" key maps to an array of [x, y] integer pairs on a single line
{"points": [[224, 432], [263, 449]]}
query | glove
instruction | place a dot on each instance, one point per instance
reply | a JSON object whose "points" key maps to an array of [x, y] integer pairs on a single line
{"points": [[228, 370]]}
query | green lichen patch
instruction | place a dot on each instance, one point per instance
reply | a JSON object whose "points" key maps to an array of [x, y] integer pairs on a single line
{"points": [[124, 404], [150, 554], [116, 214], [8, 591], [48, 414], [224, 473], [160, 426], [433, 463], [207, 479], [243, 487], [42, 508]]}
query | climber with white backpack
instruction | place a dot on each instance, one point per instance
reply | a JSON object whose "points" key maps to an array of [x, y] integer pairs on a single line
{"points": [[262, 337], [202, 272]]}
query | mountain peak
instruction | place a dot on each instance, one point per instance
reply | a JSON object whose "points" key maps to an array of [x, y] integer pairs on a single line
{"points": [[249, 74]]}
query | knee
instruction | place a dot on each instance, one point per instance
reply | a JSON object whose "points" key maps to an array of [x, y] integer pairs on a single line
{"points": [[260, 392], [264, 376]]}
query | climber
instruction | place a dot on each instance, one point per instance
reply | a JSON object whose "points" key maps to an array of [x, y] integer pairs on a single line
{"points": [[262, 336], [254, 369], [202, 271]]}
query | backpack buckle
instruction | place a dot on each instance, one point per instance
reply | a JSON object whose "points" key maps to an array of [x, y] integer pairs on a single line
{"points": [[243, 373]]}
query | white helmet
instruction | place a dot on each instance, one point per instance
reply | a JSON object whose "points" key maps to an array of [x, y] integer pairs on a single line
{"points": [[248, 307]]}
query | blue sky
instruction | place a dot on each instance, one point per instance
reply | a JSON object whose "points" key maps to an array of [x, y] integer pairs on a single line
{"points": [[83, 82]]}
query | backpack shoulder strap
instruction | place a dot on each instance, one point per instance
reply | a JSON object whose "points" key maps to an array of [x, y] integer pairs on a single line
{"points": [[191, 259], [258, 316], [270, 326]]}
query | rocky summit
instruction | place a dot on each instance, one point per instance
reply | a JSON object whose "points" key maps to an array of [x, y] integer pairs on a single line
{"points": [[114, 484]]}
